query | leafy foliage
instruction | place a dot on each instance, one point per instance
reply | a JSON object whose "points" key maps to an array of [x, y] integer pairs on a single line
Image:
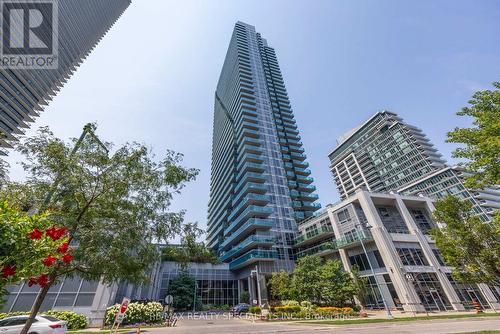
{"points": [[316, 281], [360, 286], [190, 250], [25, 244], [245, 297], [255, 310], [280, 284], [182, 289], [136, 313], [466, 243], [481, 142], [114, 202]]}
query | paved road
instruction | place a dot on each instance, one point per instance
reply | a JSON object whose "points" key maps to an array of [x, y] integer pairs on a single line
{"points": [[237, 326]]}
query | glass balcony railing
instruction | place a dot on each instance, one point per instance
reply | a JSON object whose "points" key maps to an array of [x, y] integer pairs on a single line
{"points": [[247, 200], [323, 230], [304, 179], [252, 256], [252, 211], [251, 240], [250, 176], [306, 187], [249, 226], [249, 187], [336, 244], [244, 166], [304, 171]]}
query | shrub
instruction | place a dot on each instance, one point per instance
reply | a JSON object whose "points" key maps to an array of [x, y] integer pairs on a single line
{"points": [[328, 310], [255, 310], [286, 309], [151, 312], [306, 306], [290, 303], [245, 297], [74, 320]]}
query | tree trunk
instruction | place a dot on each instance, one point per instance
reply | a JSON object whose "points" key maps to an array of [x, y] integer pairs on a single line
{"points": [[36, 306]]}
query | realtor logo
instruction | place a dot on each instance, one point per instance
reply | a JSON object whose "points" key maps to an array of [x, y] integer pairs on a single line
{"points": [[29, 34]]}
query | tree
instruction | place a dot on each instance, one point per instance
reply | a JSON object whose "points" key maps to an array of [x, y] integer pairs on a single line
{"points": [[322, 282], [113, 204], [466, 243], [29, 244], [336, 285], [360, 286], [245, 297], [280, 284], [482, 142], [189, 250], [306, 278], [182, 289]]}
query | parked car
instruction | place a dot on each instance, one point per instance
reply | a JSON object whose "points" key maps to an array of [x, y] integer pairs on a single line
{"points": [[42, 324], [240, 308]]}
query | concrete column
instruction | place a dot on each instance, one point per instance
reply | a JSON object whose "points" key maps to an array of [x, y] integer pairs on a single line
{"points": [[384, 290], [431, 258], [252, 289], [406, 292], [489, 296]]}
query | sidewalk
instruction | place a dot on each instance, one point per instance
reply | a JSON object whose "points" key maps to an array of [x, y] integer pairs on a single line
{"points": [[382, 314]]}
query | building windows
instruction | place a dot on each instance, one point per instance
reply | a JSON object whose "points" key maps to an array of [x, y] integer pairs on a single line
{"points": [[438, 257], [392, 220], [468, 293], [343, 216], [412, 257], [360, 261], [422, 220], [430, 292]]}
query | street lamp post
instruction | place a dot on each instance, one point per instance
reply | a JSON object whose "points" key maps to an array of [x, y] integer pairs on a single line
{"points": [[389, 314]]}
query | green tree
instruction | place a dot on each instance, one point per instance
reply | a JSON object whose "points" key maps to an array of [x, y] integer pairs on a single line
{"points": [[481, 142], [190, 250], [245, 297], [280, 285], [114, 203], [360, 286], [182, 288], [336, 285], [467, 243], [306, 280]]}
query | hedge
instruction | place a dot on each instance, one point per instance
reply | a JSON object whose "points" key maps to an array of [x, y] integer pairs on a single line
{"points": [[255, 310], [151, 312], [74, 320], [335, 310]]}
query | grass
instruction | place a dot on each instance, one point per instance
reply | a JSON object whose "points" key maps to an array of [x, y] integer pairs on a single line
{"points": [[403, 319]]}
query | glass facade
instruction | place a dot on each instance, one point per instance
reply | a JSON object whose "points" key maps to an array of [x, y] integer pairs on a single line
{"points": [[216, 285], [24, 93], [66, 294], [260, 184]]}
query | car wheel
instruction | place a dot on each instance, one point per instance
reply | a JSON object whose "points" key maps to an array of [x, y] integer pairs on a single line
{"points": [[32, 333]]}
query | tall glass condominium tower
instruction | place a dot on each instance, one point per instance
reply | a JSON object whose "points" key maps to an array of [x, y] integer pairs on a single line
{"points": [[387, 154], [260, 184], [25, 92]]}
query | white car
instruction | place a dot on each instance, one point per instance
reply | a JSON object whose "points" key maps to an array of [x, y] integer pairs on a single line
{"points": [[42, 324]]}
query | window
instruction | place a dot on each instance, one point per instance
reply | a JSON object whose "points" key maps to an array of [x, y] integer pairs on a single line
{"points": [[343, 216], [392, 220], [360, 261], [422, 220], [412, 257]]}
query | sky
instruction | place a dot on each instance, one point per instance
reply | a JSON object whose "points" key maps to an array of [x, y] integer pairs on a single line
{"points": [[152, 78]]}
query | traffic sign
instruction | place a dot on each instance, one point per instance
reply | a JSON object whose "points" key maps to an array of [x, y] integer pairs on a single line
{"points": [[121, 312], [169, 299]]}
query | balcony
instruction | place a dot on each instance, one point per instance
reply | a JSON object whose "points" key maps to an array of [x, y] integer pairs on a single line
{"points": [[302, 171], [250, 187], [298, 156], [322, 249], [250, 242], [251, 177], [315, 234], [304, 179], [253, 256], [252, 211], [306, 187], [249, 199], [336, 244], [248, 133], [250, 226], [250, 167]]}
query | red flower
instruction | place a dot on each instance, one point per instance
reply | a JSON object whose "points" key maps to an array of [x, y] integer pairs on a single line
{"points": [[43, 280], [55, 233], [63, 248], [8, 271], [49, 260], [35, 234], [32, 281], [67, 258]]}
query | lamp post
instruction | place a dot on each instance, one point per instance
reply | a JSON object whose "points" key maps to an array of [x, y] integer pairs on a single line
{"points": [[389, 314]]}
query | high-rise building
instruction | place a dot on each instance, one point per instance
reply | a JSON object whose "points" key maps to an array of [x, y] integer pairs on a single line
{"points": [[387, 154], [25, 92], [260, 184]]}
